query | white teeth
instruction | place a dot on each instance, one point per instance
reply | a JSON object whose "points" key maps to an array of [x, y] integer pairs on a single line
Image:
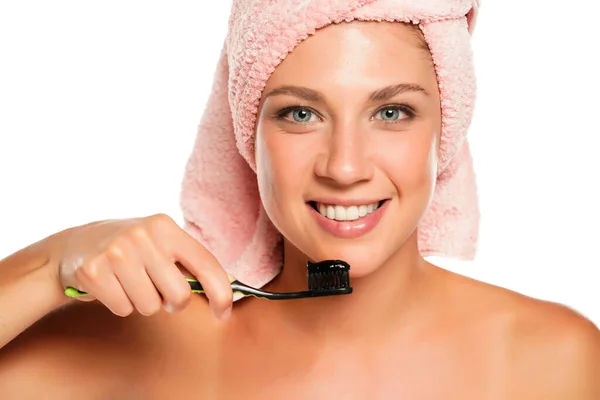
{"points": [[341, 213], [352, 213], [362, 211], [330, 212], [323, 209]]}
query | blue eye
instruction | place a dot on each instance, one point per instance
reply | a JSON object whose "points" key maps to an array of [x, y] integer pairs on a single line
{"points": [[302, 115], [391, 114], [297, 114]]}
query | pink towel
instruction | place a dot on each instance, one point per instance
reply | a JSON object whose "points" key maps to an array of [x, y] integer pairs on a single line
{"points": [[220, 199]]}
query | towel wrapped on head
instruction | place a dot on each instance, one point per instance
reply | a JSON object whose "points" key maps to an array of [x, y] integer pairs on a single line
{"points": [[220, 199]]}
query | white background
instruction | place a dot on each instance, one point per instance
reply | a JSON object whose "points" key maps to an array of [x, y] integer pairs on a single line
{"points": [[99, 103]]}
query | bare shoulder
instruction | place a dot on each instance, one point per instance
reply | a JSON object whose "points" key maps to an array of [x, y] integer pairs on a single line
{"points": [[543, 349], [84, 348], [555, 351]]}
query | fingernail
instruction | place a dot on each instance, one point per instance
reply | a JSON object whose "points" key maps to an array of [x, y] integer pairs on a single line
{"points": [[226, 314], [169, 308]]}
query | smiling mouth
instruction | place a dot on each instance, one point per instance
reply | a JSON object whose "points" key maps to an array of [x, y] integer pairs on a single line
{"points": [[341, 213]]}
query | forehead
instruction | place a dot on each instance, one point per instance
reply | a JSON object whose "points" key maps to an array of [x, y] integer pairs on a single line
{"points": [[354, 51]]}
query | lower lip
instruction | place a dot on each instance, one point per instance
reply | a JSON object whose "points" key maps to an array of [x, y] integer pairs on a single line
{"points": [[349, 229]]}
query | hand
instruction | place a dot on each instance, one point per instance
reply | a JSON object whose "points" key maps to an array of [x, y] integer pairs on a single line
{"points": [[133, 264]]}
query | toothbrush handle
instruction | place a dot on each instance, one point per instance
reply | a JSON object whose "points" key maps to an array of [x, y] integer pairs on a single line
{"points": [[195, 286]]}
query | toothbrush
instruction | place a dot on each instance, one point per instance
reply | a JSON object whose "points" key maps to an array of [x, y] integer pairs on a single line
{"points": [[325, 278]]}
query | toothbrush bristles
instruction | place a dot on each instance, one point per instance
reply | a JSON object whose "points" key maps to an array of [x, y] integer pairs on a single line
{"points": [[328, 275]]}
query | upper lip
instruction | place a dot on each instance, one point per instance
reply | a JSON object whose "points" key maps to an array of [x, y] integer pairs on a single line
{"points": [[345, 202]]}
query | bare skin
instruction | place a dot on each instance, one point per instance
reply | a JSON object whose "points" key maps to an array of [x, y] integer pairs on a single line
{"points": [[409, 330], [472, 341]]}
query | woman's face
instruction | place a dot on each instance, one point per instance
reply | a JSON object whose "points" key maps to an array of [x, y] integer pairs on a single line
{"points": [[346, 142]]}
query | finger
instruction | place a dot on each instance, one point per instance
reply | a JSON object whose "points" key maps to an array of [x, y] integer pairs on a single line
{"points": [[98, 279], [167, 278], [85, 299], [131, 273], [205, 267]]}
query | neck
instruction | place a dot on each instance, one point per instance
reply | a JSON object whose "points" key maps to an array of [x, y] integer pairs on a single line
{"points": [[378, 302]]}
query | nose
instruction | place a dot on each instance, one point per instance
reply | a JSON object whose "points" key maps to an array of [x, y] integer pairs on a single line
{"points": [[346, 158]]}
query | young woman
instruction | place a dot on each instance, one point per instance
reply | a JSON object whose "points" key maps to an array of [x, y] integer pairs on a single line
{"points": [[346, 144]]}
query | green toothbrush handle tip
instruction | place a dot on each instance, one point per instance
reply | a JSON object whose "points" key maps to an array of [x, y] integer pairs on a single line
{"points": [[72, 292]]}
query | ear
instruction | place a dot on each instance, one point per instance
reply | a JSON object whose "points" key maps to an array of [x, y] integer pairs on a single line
{"points": [[472, 15]]}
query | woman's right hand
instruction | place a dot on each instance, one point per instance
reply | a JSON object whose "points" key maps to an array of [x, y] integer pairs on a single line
{"points": [[131, 264]]}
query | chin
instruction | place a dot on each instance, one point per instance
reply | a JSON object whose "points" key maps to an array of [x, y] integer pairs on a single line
{"points": [[363, 259]]}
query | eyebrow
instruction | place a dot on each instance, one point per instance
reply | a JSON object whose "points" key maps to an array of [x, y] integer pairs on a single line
{"points": [[388, 92], [382, 94], [297, 91]]}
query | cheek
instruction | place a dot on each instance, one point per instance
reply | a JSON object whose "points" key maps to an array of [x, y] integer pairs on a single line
{"points": [[281, 170], [414, 164]]}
